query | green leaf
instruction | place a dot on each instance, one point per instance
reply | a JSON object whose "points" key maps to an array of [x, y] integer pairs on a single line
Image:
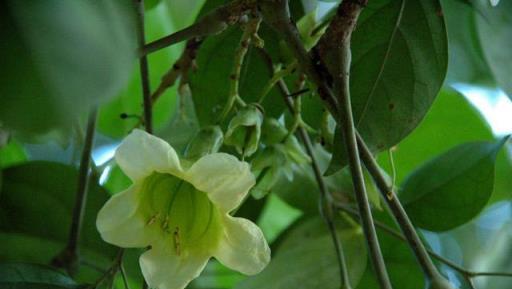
{"points": [[11, 154], [60, 58], [397, 71], [36, 204], [452, 188], [306, 258], [210, 82], [466, 59], [129, 100], [33, 276], [495, 33]]}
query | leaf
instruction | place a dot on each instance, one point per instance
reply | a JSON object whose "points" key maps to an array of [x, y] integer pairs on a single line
{"points": [[36, 204], [33, 276], [306, 259], [454, 120], [129, 100], [466, 59], [495, 34], [11, 154], [210, 82], [397, 71], [60, 58], [452, 188]]}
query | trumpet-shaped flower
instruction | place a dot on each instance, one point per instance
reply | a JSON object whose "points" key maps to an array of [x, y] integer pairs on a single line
{"points": [[182, 212]]}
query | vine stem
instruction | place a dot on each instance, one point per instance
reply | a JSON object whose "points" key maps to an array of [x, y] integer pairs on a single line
{"points": [[69, 257], [144, 70], [339, 32]]}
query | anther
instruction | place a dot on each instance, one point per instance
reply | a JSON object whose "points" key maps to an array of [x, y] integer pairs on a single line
{"points": [[177, 241]]}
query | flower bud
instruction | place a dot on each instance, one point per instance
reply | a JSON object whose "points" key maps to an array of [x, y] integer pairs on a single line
{"points": [[272, 131], [208, 140], [244, 130]]}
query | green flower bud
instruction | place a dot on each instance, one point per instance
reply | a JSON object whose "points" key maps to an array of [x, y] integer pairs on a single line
{"points": [[273, 131], [295, 152], [244, 130], [208, 140]]}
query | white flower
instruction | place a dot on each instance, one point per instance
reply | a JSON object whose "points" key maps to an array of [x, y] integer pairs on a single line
{"points": [[182, 213]]}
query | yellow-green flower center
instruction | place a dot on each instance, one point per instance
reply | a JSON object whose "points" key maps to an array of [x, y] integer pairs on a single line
{"points": [[185, 215]]}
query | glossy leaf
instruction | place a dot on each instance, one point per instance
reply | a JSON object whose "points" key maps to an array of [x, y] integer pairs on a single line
{"points": [[60, 58], [494, 27], [32, 276], [36, 203], [306, 259], [397, 71], [452, 188]]}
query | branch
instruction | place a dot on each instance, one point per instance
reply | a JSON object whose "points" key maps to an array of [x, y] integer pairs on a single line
{"points": [[69, 257], [144, 71], [180, 67], [211, 23], [338, 35]]}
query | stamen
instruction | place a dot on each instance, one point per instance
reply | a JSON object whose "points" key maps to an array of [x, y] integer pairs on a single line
{"points": [[177, 241], [165, 224], [152, 220]]}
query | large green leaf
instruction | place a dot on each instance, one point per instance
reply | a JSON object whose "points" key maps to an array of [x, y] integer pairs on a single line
{"points": [[454, 120], [129, 101], [36, 204], [60, 58], [398, 66], [494, 26], [306, 259], [32, 276], [452, 188]]}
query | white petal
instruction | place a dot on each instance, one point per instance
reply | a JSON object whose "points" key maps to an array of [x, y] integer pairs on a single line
{"points": [[141, 153], [163, 269], [223, 177], [243, 246], [119, 222]]}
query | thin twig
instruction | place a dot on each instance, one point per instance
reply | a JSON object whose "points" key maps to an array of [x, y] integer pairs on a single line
{"points": [[144, 70], [69, 257]]}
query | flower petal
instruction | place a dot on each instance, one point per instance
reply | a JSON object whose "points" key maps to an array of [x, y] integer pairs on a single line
{"points": [[119, 222], [141, 153], [163, 269], [243, 246], [223, 177]]}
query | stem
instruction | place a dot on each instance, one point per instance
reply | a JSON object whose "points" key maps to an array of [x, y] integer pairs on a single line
{"points": [[144, 71], [83, 183], [325, 203], [246, 39], [69, 257], [398, 212], [278, 75], [211, 23]]}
